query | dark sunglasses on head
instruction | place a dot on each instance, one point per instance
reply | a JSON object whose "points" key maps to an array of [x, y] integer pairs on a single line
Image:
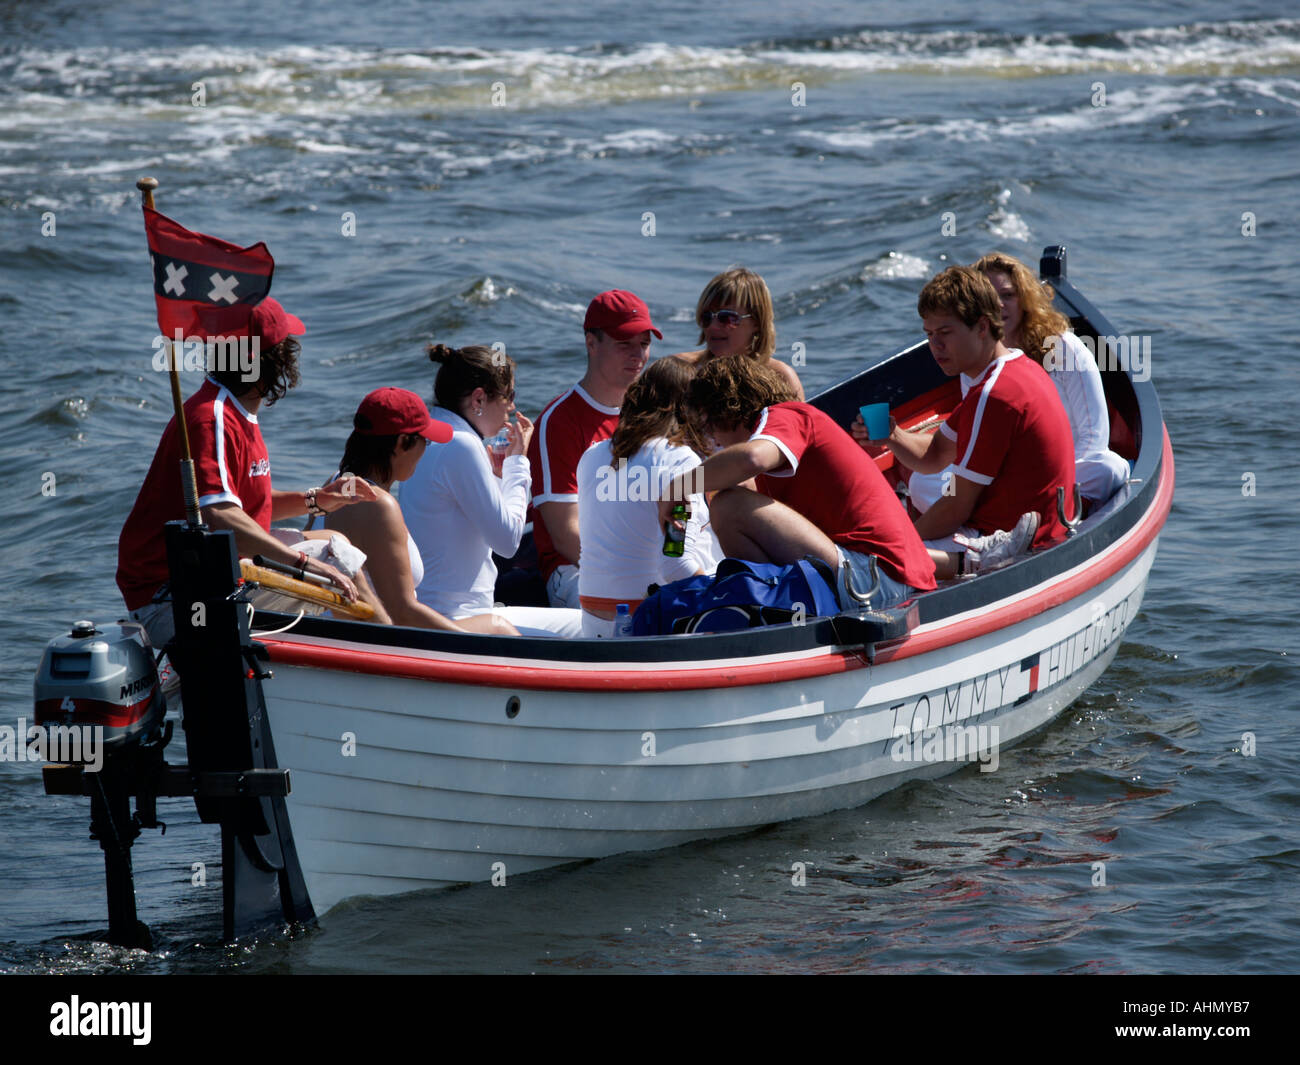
{"points": [[727, 318]]}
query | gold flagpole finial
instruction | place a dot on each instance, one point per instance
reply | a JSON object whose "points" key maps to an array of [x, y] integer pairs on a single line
{"points": [[146, 185]]}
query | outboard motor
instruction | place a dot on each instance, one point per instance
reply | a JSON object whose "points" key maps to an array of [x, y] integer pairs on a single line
{"points": [[101, 685], [100, 711], [104, 679]]}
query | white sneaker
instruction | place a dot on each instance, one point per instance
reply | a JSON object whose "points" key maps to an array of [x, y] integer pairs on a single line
{"points": [[987, 553]]}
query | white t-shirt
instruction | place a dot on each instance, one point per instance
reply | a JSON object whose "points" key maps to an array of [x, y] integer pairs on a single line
{"points": [[458, 513], [618, 522]]}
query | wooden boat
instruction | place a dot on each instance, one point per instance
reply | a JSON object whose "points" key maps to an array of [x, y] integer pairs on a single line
{"points": [[422, 759]]}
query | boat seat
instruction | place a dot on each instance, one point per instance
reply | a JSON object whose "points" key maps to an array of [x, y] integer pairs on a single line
{"points": [[1122, 440]]}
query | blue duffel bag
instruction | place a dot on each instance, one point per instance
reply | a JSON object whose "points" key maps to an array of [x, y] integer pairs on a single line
{"points": [[740, 595]]}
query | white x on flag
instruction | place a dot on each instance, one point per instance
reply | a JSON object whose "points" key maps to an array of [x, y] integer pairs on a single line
{"points": [[175, 279], [223, 288]]}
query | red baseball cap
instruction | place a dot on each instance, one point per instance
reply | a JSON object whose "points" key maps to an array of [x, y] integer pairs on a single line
{"points": [[620, 314], [273, 323], [390, 411]]}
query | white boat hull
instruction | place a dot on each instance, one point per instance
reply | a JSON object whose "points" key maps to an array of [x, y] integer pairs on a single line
{"points": [[401, 784]]}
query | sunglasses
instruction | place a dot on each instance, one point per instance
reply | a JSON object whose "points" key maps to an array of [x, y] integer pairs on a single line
{"points": [[727, 318]]}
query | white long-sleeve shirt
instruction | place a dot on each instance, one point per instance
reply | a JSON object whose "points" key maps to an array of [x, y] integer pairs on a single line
{"points": [[1098, 471], [459, 513]]}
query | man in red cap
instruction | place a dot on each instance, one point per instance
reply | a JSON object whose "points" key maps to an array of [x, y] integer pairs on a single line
{"points": [[233, 471], [618, 329]]}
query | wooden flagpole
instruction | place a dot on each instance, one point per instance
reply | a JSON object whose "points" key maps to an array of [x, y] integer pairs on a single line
{"points": [[189, 482]]}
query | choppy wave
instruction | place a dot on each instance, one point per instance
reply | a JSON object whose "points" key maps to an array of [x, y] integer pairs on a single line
{"points": [[393, 114], [323, 80], [1151, 104], [1205, 48]]}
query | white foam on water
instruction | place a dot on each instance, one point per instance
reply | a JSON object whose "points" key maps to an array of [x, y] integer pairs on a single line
{"points": [[629, 142], [336, 82], [313, 96], [633, 140], [657, 68], [557, 305], [1229, 47], [896, 265], [1123, 107], [1009, 226], [111, 166], [485, 291], [1273, 90], [320, 148]]}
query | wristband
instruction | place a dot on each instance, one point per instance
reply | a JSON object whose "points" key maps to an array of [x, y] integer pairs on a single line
{"points": [[302, 563], [313, 508]]}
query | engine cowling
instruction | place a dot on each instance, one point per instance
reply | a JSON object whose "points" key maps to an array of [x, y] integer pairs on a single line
{"points": [[105, 678]]}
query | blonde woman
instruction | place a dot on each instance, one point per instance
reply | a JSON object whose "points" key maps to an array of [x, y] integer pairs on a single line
{"points": [[734, 313]]}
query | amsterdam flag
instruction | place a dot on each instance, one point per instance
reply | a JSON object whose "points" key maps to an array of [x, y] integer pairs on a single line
{"points": [[204, 287]]}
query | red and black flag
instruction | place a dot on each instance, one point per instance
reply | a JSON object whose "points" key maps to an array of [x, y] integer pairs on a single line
{"points": [[204, 286]]}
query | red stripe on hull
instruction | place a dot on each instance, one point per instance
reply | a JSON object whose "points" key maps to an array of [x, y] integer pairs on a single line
{"points": [[549, 678]]}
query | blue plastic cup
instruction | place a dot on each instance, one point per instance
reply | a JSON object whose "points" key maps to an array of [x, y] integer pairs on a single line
{"points": [[875, 416]]}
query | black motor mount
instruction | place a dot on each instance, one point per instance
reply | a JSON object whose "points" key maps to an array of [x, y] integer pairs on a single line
{"points": [[232, 773]]}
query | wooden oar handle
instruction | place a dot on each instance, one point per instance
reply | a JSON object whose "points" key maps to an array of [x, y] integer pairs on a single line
{"points": [[308, 593]]}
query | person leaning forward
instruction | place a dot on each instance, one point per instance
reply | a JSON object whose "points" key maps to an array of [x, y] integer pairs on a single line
{"points": [[233, 472], [618, 329], [816, 493]]}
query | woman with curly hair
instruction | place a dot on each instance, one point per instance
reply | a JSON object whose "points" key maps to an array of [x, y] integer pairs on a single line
{"points": [[1043, 333], [734, 313], [619, 483]]}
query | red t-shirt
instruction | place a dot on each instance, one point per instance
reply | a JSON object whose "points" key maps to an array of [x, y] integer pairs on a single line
{"points": [[1013, 436], [230, 465], [833, 484], [569, 425]]}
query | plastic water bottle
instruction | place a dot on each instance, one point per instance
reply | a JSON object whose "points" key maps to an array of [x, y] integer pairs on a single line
{"points": [[623, 621], [497, 447]]}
